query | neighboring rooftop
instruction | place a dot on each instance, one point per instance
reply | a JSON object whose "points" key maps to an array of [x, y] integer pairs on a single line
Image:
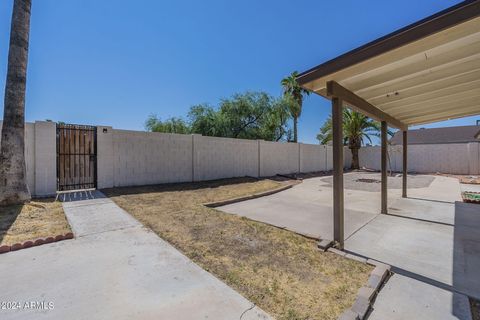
{"points": [[462, 134]]}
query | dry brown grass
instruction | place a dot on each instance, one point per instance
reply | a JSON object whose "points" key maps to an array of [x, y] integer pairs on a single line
{"points": [[280, 271], [37, 219]]}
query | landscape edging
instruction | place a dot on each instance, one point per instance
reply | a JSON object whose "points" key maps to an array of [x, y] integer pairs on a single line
{"points": [[34, 243], [249, 197], [366, 295]]}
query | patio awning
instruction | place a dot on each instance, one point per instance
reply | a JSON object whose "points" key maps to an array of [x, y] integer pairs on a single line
{"points": [[426, 72]]}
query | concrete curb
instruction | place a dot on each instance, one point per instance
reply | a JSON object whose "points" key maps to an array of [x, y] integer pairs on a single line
{"points": [[35, 243], [249, 197], [366, 295]]}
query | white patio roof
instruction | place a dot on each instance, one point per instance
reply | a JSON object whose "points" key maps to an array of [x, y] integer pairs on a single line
{"points": [[426, 72]]}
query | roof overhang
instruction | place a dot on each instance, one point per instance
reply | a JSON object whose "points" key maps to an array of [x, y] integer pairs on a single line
{"points": [[426, 72]]}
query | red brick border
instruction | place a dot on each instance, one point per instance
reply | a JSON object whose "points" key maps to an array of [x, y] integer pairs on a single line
{"points": [[35, 243]]}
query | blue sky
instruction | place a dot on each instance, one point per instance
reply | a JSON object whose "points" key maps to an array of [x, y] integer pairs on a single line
{"points": [[114, 62]]}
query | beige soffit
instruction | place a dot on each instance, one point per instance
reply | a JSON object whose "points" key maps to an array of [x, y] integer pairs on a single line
{"points": [[430, 79]]}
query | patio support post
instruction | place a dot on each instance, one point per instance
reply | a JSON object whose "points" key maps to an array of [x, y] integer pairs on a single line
{"points": [[384, 167], [337, 128], [404, 167]]}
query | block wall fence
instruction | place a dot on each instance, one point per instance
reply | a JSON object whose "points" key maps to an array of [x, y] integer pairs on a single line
{"points": [[455, 158], [129, 158]]}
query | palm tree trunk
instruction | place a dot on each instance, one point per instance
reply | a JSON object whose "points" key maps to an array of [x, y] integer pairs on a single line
{"points": [[295, 137], [13, 183], [355, 159]]}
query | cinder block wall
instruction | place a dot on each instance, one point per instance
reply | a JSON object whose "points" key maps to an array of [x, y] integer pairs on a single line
{"points": [[216, 158], [278, 158], [40, 157], [127, 158], [142, 158], [455, 158]]}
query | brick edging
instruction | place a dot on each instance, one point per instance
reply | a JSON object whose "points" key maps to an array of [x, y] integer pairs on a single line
{"points": [[366, 295], [249, 197], [35, 243]]}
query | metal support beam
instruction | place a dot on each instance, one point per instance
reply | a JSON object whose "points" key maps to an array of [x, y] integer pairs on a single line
{"points": [[338, 212], [404, 167], [384, 167], [359, 104]]}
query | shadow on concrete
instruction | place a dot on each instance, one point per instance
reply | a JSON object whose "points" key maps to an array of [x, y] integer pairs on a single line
{"points": [[80, 196], [431, 200], [466, 250], [418, 219], [8, 215]]}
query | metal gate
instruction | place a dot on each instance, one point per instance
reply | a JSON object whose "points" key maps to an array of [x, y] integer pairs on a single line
{"points": [[76, 157]]}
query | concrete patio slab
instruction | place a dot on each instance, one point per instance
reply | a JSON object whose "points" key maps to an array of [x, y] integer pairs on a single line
{"points": [[429, 210], [447, 256], [120, 271], [306, 209], [444, 250], [415, 246], [444, 189], [405, 298]]}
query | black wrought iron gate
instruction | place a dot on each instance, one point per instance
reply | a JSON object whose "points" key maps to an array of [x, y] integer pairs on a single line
{"points": [[76, 157]]}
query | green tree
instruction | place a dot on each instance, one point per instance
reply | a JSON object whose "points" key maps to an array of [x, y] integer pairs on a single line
{"points": [[13, 181], [171, 125], [250, 115], [207, 121], [295, 95], [356, 128]]}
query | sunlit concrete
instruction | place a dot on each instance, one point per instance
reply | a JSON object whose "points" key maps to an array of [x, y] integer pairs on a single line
{"points": [[114, 269]]}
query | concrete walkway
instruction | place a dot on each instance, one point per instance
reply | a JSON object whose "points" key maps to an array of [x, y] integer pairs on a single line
{"points": [[114, 269]]}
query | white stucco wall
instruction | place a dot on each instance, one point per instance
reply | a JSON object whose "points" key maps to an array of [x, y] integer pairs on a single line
{"points": [[45, 158], [105, 157], [40, 157]]}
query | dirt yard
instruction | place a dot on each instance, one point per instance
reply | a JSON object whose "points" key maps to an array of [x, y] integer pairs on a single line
{"points": [[37, 219], [282, 272]]}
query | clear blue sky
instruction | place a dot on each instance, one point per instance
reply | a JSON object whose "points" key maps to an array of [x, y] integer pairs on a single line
{"points": [[114, 62]]}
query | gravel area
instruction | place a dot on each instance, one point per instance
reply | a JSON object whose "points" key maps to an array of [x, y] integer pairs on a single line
{"points": [[371, 181]]}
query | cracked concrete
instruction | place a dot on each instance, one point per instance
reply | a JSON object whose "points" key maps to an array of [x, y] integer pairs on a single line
{"points": [[115, 269]]}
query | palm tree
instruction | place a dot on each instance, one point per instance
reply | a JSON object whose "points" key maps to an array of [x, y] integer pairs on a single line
{"points": [[356, 128], [295, 93], [13, 184]]}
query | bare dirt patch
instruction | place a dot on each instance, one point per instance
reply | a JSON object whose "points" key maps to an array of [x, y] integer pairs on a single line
{"points": [[282, 272], [37, 219]]}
